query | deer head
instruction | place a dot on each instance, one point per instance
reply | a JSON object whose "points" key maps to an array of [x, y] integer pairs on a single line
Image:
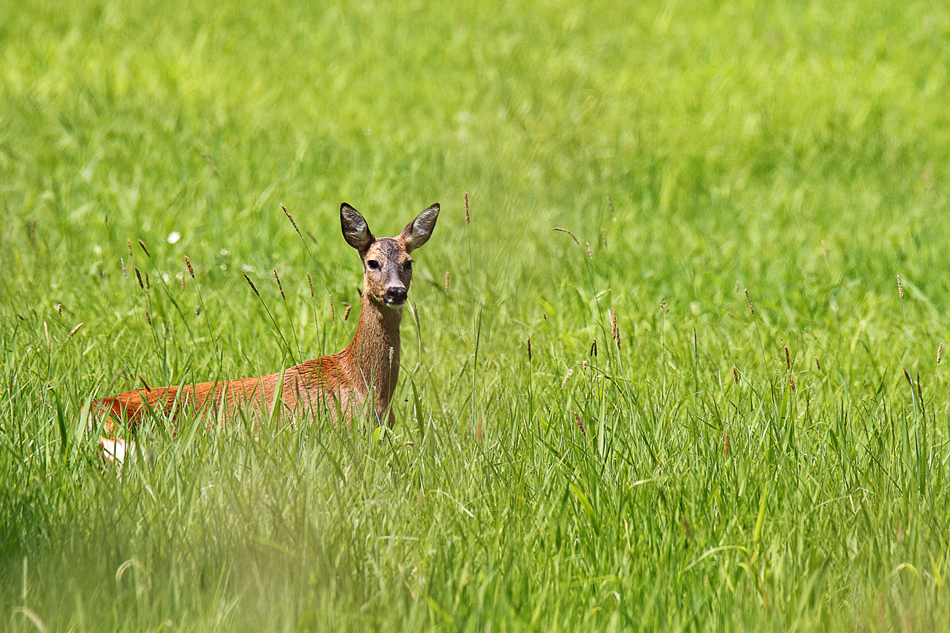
{"points": [[387, 266]]}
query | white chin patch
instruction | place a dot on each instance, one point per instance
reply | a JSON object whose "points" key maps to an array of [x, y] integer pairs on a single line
{"points": [[394, 305]]}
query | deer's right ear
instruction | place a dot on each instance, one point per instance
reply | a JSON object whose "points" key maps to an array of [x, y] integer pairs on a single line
{"points": [[355, 230]]}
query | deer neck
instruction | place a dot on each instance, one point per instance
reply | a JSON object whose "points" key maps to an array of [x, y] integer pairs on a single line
{"points": [[374, 352]]}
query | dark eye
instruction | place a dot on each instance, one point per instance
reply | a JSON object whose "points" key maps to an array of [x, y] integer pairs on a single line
{"points": [[372, 264], [408, 265]]}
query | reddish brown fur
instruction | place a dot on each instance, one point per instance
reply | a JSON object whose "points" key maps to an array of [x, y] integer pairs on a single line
{"points": [[344, 382]]}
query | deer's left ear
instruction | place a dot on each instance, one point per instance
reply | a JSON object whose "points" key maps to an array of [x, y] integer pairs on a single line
{"points": [[419, 230]]}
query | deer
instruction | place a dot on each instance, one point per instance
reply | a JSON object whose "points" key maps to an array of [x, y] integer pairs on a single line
{"points": [[357, 382]]}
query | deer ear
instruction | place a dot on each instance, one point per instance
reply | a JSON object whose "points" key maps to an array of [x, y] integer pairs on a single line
{"points": [[355, 230], [419, 230]]}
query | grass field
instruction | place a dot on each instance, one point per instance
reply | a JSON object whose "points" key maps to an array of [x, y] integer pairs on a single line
{"points": [[710, 468]]}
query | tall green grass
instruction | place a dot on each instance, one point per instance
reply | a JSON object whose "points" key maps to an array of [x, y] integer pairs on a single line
{"points": [[763, 446]]}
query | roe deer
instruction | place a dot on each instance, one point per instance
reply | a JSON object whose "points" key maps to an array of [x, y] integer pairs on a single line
{"points": [[344, 382]]}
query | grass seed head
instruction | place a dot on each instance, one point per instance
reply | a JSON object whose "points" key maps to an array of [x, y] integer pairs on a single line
{"points": [[251, 284], [291, 218], [726, 443], [529, 349], [817, 363], [332, 310], [580, 425], [128, 242], [468, 219], [346, 313], [280, 286], [73, 331], [191, 271], [197, 310], [573, 237], [788, 359], [614, 332], [900, 287], [310, 283], [138, 276], [446, 281], [939, 351], [148, 317], [142, 244], [124, 272], [735, 374], [589, 253], [749, 297], [567, 376]]}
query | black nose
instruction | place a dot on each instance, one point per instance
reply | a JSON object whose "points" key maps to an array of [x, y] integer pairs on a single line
{"points": [[395, 295]]}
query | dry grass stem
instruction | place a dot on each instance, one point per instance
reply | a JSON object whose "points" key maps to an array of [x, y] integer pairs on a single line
{"points": [[573, 237]]}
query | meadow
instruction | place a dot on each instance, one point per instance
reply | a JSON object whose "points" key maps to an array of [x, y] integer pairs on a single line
{"points": [[716, 400]]}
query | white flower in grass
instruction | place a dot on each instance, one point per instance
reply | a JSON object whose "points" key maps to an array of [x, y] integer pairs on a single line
{"points": [[173, 237]]}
